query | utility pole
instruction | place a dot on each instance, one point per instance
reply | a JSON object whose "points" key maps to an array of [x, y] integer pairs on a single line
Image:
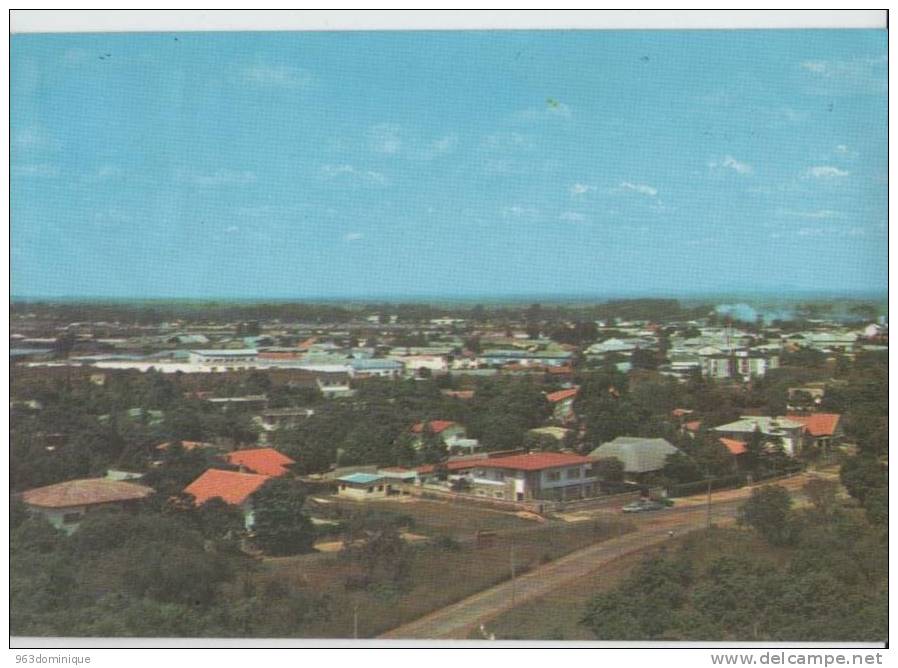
{"points": [[709, 499], [355, 621], [513, 585]]}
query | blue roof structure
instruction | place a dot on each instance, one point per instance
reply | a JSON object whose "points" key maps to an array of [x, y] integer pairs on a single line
{"points": [[375, 364], [360, 478]]}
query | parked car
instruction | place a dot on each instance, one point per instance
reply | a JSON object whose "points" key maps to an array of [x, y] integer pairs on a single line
{"points": [[642, 506]]}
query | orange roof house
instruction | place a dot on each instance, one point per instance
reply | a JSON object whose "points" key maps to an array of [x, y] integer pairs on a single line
{"points": [[85, 492], [230, 486], [561, 395], [735, 447], [233, 488], [819, 425], [65, 503], [436, 426], [264, 461], [535, 461]]}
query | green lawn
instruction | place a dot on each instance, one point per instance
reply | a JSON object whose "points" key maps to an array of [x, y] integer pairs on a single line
{"points": [[435, 518]]}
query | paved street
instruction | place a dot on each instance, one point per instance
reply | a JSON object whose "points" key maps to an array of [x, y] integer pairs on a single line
{"points": [[459, 619]]}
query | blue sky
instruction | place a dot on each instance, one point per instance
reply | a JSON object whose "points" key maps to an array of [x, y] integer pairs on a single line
{"points": [[471, 164]]}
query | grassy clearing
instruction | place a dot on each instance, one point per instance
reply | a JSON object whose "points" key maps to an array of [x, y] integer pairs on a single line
{"points": [[437, 577], [436, 518], [556, 616]]}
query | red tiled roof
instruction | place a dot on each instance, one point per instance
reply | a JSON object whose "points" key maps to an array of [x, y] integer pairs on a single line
{"points": [[436, 426], [561, 395], [694, 425], [818, 424], [278, 355], [535, 461], [230, 486], [85, 492], [735, 447], [264, 461]]}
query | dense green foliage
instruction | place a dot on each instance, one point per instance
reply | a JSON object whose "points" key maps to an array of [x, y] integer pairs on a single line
{"points": [[767, 512], [280, 527], [146, 574], [830, 583]]}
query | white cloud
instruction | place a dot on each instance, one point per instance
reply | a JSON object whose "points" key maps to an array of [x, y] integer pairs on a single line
{"points": [[385, 138], [792, 115], [33, 138], [826, 172], [103, 173], [729, 162], [845, 77], [559, 109], [353, 236], [517, 211], [445, 144], [370, 176], [111, 217], [581, 188], [572, 217], [277, 76], [218, 178], [819, 214], [75, 57], [550, 110], [37, 171], [507, 140], [640, 188]]}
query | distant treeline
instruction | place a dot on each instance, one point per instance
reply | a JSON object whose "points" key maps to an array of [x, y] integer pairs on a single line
{"points": [[150, 313], [614, 310]]}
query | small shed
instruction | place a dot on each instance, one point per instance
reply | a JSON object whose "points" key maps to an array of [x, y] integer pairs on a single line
{"points": [[362, 486]]}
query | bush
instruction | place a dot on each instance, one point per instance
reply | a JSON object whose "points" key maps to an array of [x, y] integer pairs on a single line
{"points": [[447, 543], [699, 486]]}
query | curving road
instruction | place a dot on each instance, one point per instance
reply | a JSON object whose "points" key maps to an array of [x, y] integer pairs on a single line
{"points": [[458, 619]]}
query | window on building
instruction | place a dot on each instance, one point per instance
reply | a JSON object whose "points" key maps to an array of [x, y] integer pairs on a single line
{"points": [[71, 518], [553, 476], [573, 473]]}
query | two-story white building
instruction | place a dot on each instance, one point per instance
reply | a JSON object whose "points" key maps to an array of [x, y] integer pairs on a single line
{"points": [[556, 476]]}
